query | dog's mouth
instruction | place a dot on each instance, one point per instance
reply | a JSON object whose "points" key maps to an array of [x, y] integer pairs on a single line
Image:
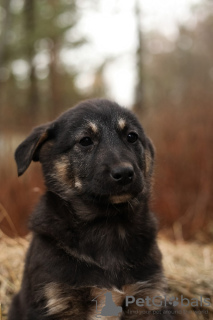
{"points": [[123, 198], [120, 198], [109, 195]]}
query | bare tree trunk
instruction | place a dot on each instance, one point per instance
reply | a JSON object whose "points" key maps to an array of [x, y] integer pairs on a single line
{"points": [[55, 91], [4, 30], [33, 98], [139, 105]]}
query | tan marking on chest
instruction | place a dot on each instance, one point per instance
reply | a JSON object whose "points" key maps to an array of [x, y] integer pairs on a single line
{"points": [[75, 253], [56, 303], [78, 184], [66, 302], [138, 290]]}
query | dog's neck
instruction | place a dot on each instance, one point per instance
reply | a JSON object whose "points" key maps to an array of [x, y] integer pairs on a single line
{"points": [[98, 233]]}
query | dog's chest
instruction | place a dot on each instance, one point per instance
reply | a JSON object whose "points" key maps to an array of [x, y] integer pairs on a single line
{"points": [[88, 303], [92, 303]]}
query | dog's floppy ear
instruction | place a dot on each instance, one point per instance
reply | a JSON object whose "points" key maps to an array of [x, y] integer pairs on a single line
{"points": [[28, 150], [149, 157]]}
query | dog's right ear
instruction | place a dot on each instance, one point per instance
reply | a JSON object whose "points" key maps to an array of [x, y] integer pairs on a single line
{"points": [[149, 157], [28, 150]]}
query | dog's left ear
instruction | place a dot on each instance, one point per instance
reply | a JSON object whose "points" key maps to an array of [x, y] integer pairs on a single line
{"points": [[149, 157], [28, 150]]}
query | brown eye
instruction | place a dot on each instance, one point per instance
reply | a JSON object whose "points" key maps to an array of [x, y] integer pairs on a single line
{"points": [[86, 141], [132, 137]]}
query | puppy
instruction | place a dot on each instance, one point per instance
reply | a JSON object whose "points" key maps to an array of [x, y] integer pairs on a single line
{"points": [[94, 253]]}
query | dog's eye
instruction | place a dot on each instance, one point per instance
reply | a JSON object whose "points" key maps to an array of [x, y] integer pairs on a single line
{"points": [[86, 141], [132, 137]]}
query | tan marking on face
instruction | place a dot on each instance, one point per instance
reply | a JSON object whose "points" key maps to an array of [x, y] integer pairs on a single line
{"points": [[148, 160], [125, 164], [93, 126], [121, 198], [121, 123], [61, 167]]}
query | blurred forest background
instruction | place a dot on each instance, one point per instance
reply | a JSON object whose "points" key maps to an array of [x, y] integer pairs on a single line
{"points": [[173, 97]]}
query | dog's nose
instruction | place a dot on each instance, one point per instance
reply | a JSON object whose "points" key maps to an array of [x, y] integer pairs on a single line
{"points": [[122, 174]]}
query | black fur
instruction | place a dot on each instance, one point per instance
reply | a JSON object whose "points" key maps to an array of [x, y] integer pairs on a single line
{"points": [[92, 228]]}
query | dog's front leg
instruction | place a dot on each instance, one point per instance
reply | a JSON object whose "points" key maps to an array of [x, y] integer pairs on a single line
{"points": [[19, 311]]}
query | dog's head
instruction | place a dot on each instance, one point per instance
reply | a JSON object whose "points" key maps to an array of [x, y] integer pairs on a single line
{"points": [[96, 150]]}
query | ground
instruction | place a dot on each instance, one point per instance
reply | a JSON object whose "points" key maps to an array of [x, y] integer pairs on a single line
{"points": [[188, 268]]}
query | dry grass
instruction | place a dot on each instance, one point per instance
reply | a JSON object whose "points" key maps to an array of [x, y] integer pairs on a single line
{"points": [[12, 256], [188, 268]]}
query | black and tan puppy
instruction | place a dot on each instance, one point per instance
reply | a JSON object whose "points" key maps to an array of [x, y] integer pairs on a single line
{"points": [[93, 234]]}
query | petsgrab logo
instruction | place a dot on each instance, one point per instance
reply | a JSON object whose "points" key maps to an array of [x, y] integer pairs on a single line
{"points": [[106, 307], [159, 301]]}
